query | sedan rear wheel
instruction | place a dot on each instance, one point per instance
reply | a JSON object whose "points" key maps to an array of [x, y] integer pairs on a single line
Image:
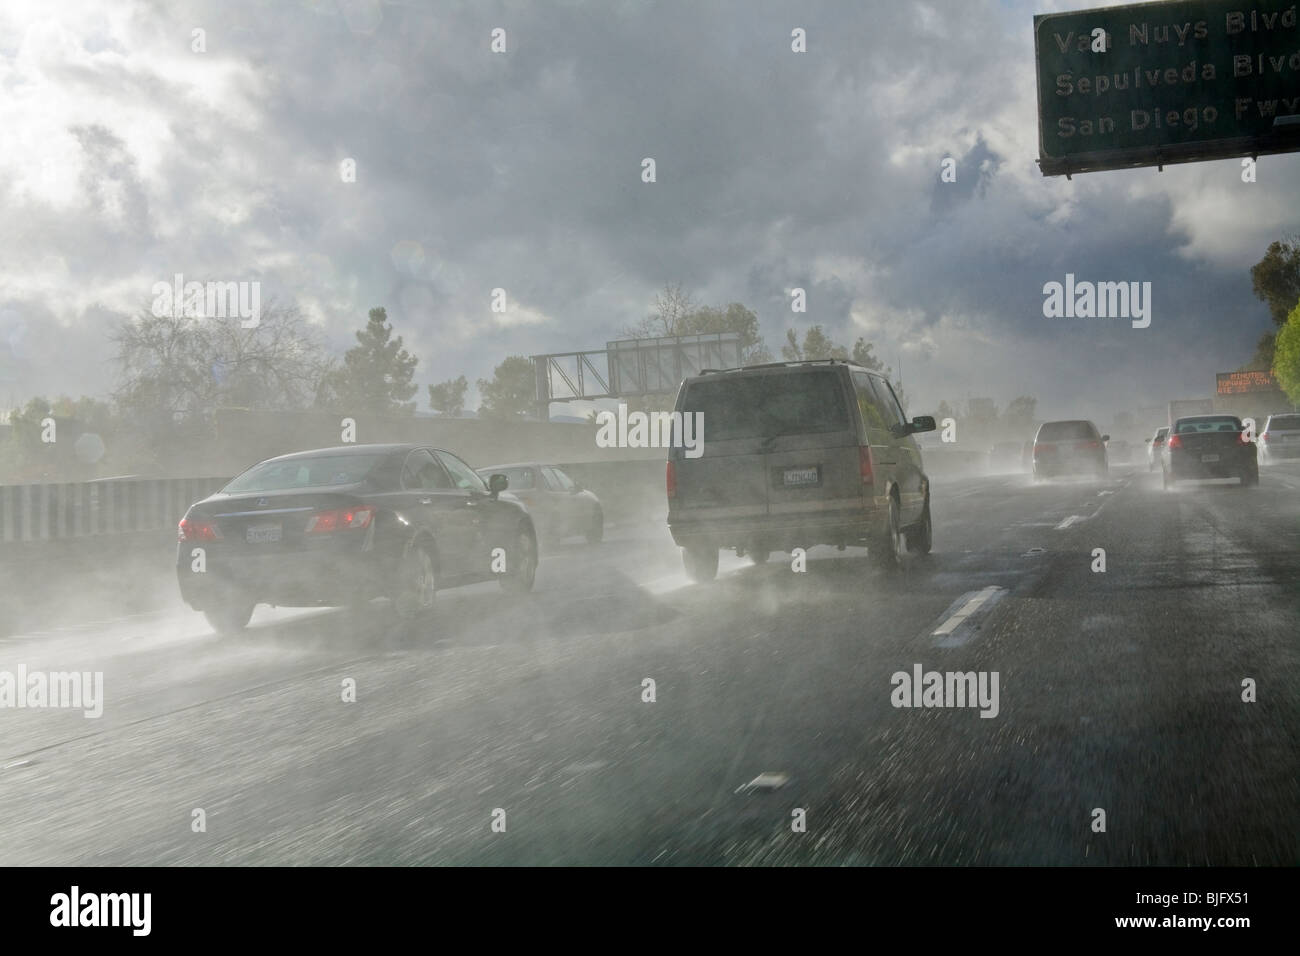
{"points": [[230, 618], [521, 564], [417, 583], [596, 528]]}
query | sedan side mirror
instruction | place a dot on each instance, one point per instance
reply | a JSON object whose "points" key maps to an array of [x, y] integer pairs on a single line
{"points": [[498, 483]]}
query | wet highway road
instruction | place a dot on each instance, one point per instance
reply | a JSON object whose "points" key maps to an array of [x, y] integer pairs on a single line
{"points": [[1118, 690]]}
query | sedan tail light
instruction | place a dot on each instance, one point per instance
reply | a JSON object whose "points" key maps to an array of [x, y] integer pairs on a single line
{"points": [[340, 519], [670, 479], [197, 530], [1173, 442]]}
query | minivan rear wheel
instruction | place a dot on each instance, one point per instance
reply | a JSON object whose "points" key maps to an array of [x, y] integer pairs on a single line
{"points": [[888, 546], [701, 562], [919, 536]]}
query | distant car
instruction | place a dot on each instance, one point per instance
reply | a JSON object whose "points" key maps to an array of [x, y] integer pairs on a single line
{"points": [[1005, 456], [1279, 439], [559, 505], [1118, 451], [797, 454], [1209, 446], [1155, 445], [339, 526], [1073, 447]]}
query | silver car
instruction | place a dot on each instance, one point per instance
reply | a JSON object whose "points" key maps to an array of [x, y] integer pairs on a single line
{"points": [[1280, 438]]}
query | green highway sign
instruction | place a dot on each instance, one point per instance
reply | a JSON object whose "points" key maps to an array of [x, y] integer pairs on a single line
{"points": [[1177, 81]]}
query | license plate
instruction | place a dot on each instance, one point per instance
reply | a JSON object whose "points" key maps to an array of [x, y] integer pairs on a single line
{"points": [[801, 477], [1208, 458], [262, 533]]}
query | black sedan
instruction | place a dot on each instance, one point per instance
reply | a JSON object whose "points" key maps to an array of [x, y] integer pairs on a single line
{"points": [[559, 505], [339, 526], [1209, 446]]}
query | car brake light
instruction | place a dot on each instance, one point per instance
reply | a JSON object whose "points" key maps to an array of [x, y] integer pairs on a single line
{"points": [[865, 468], [189, 530], [1041, 448], [1244, 437], [670, 479], [1264, 437], [1092, 444], [1173, 441], [340, 519]]}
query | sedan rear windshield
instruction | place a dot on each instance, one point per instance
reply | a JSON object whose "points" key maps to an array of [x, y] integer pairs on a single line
{"points": [[1285, 422], [1194, 425], [304, 473], [763, 406], [1067, 431]]}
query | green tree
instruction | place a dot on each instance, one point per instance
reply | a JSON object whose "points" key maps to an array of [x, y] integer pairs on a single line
{"points": [[816, 345], [1263, 357], [512, 392], [376, 374], [1275, 279], [448, 398], [864, 356], [1286, 359]]}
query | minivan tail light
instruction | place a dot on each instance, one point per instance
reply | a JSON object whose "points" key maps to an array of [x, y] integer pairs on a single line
{"points": [[865, 465], [340, 519], [670, 479]]}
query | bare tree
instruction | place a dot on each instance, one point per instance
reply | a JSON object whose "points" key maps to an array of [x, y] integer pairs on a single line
{"points": [[186, 367], [671, 308]]}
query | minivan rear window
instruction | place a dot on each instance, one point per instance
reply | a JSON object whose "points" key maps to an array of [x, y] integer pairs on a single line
{"points": [[1066, 431], [763, 406]]}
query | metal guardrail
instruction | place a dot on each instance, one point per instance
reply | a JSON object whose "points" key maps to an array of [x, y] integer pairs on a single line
{"points": [[47, 512]]}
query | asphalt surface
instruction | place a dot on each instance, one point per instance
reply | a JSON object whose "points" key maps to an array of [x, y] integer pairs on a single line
{"points": [[1118, 690]]}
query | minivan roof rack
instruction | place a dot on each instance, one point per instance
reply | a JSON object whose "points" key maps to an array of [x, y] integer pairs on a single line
{"points": [[746, 368]]}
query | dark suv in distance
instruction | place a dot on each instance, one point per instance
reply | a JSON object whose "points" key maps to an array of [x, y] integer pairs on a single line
{"points": [[339, 526], [796, 454], [1072, 447]]}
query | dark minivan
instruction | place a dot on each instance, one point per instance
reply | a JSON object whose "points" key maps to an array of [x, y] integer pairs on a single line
{"points": [[792, 455]]}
